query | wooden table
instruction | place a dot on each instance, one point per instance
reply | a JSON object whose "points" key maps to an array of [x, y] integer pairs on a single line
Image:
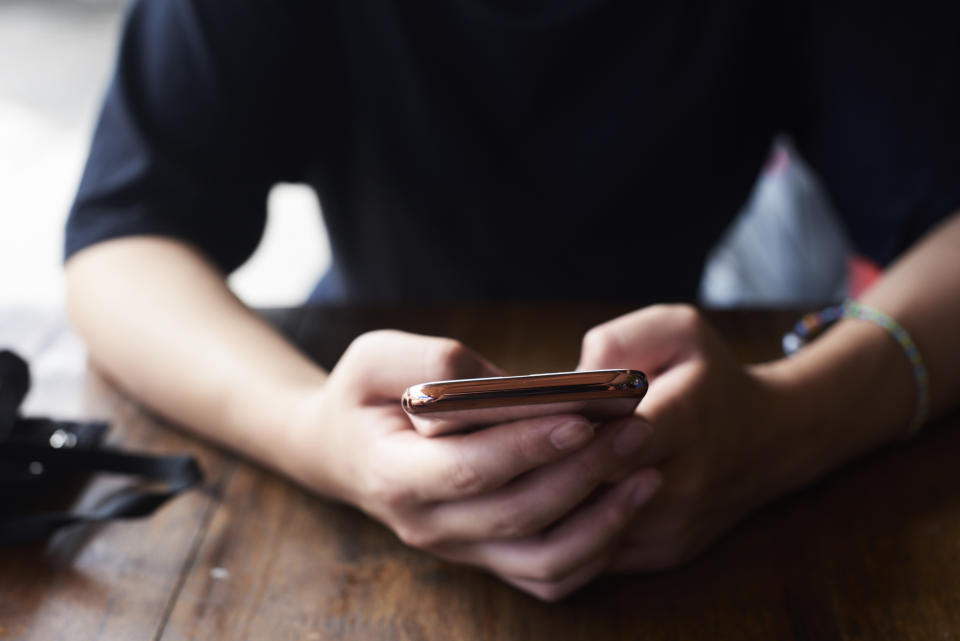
{"points": [[872, 552]]}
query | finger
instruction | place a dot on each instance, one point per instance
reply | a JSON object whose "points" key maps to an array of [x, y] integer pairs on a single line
{"points": [[458, 466], [665, 536], [638, 442], [660, 550], [661, 425], [557, 553], [382, 364], [647, 557], [651, 542], [537, 499], [556, 590], [650, 339]]}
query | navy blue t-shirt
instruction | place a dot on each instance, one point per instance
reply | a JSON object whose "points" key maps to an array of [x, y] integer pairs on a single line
{"points": [[483, 149]]}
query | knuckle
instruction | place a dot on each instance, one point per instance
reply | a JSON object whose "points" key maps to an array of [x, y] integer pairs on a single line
{"points": [[552, 568], [444, 358], [389, 495], [464, 477], [613, 518], [686, 318], [367, 346], [415, 535], [549, 592], [602, 347], [530, 445], [514, 521], [368, 340]]}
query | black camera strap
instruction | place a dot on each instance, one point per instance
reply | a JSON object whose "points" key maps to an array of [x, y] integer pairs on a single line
{"points": [[39, 459], [178, 473]]}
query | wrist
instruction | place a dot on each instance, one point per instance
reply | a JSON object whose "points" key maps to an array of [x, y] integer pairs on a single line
{"points": [[845, 394], [311, 450], [267, 421]]}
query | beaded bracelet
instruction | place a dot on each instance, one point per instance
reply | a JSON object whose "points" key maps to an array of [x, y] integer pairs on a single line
{"points": [[814, 323]]}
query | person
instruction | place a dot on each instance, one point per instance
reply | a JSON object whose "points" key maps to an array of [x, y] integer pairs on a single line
{"points": [[496, 147]]}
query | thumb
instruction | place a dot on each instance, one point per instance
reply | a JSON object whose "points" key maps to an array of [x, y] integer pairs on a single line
{"points": [[651, 339], [381, 364]]}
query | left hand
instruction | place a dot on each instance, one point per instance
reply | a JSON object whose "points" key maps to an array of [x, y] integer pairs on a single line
{"points": [[710, 429]]}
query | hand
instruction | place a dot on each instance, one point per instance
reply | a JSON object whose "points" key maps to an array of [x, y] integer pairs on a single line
{"points": [[519, 499], [707, 423]]}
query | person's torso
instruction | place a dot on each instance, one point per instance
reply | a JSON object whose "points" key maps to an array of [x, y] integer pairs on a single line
{"points": [[581, 149]]}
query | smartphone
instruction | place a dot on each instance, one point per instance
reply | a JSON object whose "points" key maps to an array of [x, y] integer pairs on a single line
{"points": [[441, 407]]}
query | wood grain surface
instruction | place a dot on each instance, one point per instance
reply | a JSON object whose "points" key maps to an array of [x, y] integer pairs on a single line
{"points": [[871, 552]]}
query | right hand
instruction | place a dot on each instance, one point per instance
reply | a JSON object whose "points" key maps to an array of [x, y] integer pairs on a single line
{"points": [[519, 499]]}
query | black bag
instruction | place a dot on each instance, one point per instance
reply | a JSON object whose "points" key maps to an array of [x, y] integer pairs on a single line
{"points": [[42, 460]]}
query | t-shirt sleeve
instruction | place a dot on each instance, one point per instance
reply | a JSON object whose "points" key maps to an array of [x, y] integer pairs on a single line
{"points": [[877, 95], [197, 124]]}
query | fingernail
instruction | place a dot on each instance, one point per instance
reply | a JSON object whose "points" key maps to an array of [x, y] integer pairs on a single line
{"points": [[631, 438], [571, 434], [647, 485]]}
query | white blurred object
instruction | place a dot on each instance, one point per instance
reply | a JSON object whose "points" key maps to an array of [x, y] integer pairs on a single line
{"points": [[786, 248], [292, 255], [37, 184], [54, 63]]}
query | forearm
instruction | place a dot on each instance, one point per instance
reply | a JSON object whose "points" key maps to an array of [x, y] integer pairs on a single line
{"points": [[160, 321], [922, 291], [853, 389]]}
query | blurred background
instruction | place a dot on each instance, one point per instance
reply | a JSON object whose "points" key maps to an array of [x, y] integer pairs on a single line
{"points": [[56, 58]]}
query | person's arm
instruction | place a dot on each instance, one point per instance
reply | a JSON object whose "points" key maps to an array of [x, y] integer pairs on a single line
{"points": [[728, 438], [861, 374], [172, 199], [159, 320]]}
